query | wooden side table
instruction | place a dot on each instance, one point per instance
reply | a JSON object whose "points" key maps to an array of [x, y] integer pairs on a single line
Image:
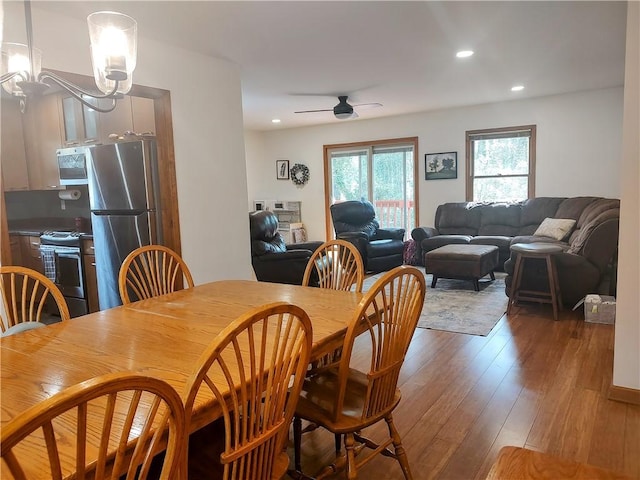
{"points": [[516, 463], [546, 252]]}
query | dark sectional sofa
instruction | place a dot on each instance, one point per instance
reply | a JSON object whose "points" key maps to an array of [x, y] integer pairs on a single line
{"points": [[587, 264]]}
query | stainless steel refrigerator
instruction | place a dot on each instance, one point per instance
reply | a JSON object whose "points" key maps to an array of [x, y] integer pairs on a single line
{"points": [[124, 202]]}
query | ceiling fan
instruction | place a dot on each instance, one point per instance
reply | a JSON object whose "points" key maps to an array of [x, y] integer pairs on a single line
{"points": [[343, 110]]}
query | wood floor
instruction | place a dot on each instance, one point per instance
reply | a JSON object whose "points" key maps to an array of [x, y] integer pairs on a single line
{"points": [[532, 382]]}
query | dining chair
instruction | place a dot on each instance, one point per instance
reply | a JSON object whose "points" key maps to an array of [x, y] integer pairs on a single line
{"points": [[345, 400], [254, 370], [86, 430], [26, 294], [338, 266], [150, 271]]}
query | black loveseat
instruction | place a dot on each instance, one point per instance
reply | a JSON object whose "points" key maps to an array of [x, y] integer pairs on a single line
{"points": [[587, 264]]}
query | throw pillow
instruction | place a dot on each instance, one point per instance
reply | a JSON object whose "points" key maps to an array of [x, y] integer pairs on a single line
{"points": [[556, 228]]}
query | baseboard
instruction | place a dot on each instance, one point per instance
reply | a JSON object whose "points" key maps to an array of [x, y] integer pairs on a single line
{"points": [[624, 394]]}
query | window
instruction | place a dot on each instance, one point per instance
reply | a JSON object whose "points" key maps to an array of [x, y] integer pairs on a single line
{"points": [[382, 172], [501, 164]]}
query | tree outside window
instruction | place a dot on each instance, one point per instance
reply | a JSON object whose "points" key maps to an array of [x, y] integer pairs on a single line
{"points": [[500, 164]]}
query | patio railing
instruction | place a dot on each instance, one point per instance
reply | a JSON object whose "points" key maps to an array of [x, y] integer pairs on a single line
{"points": [[390, 213]]}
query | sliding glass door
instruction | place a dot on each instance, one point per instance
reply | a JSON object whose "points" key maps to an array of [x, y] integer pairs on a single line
{"points": [[382, 172]]}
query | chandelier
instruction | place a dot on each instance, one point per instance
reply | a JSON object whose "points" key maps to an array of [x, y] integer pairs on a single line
{"points": [[113, 55]]}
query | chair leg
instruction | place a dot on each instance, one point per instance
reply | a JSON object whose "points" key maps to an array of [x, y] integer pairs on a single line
{"points": [[349, 444], [401, 455], [297, 440], [515, 283], [553, 287], [434, 279]]}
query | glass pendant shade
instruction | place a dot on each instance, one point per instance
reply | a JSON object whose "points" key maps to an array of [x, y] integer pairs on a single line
{"points": [[15, 58], [114, 50]]}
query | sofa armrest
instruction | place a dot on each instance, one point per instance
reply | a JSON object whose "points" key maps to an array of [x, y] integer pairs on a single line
{"points": [[420, 233], [391, 233], [288, 256], [311, 246], [353, 236]]}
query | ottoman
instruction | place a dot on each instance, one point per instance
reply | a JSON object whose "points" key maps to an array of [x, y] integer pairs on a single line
{"points": [[462, 261]]}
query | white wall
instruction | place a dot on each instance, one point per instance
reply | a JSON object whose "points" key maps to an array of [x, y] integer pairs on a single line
{"points": [[579, 139], [206, 105], [626, 363]]}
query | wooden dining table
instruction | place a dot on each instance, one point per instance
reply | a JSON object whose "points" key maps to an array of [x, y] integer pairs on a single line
{"points": [[162, 337]]}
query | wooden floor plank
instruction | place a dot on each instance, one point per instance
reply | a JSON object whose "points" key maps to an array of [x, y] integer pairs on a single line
{"points": [[607, 444], [631, 442]]}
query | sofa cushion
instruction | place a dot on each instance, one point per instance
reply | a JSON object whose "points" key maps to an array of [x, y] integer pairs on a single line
{"points": [[535, 210], [500, 219], [556, 228], [592, 211], [536, 239], [438, 241], [573, 207], [383, 248], [596, 208], [502, 242], [578, 241], [461, 218]]}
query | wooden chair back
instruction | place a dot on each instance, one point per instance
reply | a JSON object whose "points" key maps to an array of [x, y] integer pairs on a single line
{"points": [[390, 311], [338, 265], [255, 369], [150, 271], [84, 431], [25, 293]]}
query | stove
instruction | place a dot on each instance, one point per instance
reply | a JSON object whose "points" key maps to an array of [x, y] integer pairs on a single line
{"points": [[63, 264], [62, 238]]}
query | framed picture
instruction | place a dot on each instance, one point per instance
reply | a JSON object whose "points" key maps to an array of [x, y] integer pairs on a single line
{"points": [[282, 169], [259, 205], [439, 166]]}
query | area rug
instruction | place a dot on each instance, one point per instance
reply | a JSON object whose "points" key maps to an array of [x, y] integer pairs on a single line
{"points": [[455, 306]]}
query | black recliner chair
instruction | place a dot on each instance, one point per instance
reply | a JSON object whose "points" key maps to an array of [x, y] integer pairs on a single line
{"points": [[381, 248], [272, 260]]}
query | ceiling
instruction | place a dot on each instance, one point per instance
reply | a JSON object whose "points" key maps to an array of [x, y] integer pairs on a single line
{"points": [[301, 55]]}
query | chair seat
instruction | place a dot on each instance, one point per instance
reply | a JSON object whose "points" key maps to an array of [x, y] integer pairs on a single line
{"points": [[318, 397], [382, 248], [22, 327], [280, 465]]}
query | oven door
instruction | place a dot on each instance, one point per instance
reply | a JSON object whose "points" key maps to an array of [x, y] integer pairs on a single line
{"points": [[69, 277]]}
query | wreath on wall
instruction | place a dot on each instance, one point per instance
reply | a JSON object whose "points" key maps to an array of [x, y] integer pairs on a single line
{"points": [[299, 174]]}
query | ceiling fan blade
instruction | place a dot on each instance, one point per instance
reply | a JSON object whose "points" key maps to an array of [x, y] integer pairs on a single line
{"points": [[368, 105], [314, 111]]}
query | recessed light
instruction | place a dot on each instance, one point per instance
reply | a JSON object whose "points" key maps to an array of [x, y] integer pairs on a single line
{"points": [[275, 120], [517, 88], [464, 53]]}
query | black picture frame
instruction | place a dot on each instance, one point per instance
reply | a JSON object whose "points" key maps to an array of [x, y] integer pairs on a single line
{"points": [[282, 169], [440, 166]]}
